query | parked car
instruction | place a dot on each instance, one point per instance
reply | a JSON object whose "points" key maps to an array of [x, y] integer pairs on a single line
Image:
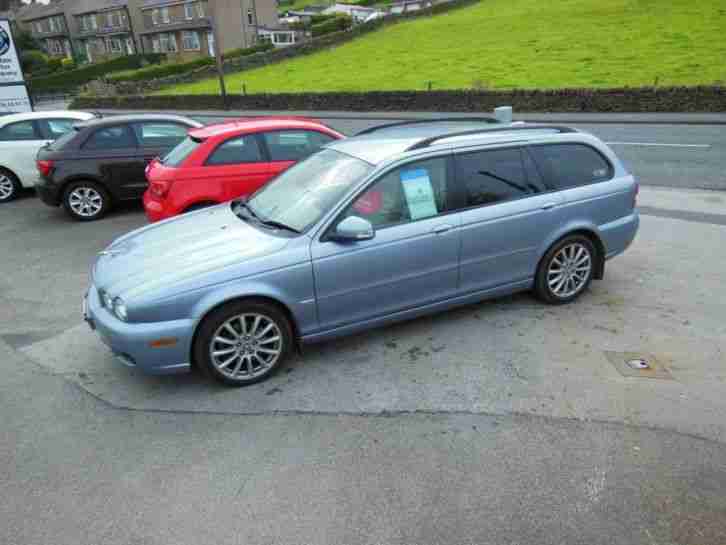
{"points": [[222, 162], [390, 225], [21, 136], [103, 161]]}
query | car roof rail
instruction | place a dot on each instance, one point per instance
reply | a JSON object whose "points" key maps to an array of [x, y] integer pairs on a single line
{"points": [[426, 142], [375, 128]]}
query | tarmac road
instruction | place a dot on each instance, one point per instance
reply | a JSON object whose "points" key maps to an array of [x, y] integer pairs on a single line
{"points": [[535, 443]]}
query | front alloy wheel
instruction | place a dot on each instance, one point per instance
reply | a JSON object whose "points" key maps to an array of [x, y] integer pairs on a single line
{"points": [[242, 343]]}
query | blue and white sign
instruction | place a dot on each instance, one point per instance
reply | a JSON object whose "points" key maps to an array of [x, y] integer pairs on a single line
{"points": [[13, 92], [419, 193]]}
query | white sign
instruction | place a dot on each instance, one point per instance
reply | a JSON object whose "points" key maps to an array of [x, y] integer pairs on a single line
{"points": [[419, 193], [13, 93]]}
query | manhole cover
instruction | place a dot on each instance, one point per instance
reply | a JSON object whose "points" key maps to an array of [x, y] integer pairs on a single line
{"points": [[634, 364]]}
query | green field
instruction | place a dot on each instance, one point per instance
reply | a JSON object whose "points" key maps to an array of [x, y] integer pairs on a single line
{"points": [[504, 44]]}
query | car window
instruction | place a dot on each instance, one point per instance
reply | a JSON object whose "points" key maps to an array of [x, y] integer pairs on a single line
{"points": [[55, 128], [415, 191], [111, 138], [493, 176], [159, 135], [571, 165], [22, 130], [180, 152], [241, 149], [294, 145]]}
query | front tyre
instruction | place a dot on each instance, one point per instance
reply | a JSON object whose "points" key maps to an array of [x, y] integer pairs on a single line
{"points": [[566, 270], [243, 342], [86, 201], [9, 186]]}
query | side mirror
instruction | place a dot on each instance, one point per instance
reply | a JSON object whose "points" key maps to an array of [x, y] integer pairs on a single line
{"points": [[353, 229]]}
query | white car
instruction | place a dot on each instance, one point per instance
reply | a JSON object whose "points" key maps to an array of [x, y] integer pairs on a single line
{"points": [[21, 136]]}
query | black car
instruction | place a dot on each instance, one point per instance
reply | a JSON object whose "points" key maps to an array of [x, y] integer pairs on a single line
{"points": [[103, 161]]}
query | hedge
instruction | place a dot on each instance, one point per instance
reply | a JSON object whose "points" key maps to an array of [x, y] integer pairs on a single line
{"points": [[171, 69], [642, 99], [340, 22], [71, 79]]}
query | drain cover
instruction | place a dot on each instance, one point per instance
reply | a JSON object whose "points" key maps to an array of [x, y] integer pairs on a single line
{"points": [[638, 363], [634, 364]]}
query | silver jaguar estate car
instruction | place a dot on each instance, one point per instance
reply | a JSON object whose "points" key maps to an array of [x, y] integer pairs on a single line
{"points": [[396, 222]]}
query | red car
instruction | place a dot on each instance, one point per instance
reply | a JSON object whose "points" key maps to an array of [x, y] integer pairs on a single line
{"points": [[221, 162]]}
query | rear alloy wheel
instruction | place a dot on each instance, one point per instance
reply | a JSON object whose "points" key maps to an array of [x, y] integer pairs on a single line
{"points": [[566, 270], [9, 186], [86, 201], [243, 342]]}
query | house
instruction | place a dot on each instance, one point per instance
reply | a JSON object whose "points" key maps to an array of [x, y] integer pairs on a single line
{"points": [[407, 6], [183, 30], [49, 26], [358, 13], [103, 29]]}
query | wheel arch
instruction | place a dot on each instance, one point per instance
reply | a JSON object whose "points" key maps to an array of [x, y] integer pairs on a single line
{"points": [[588, 231], [261, 298]]}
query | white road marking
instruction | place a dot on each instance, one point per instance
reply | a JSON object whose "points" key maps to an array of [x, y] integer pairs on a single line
{"points": [[658, 144]]}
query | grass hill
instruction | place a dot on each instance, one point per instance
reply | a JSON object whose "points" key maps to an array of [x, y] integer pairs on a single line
{"points": [[504, 44]]}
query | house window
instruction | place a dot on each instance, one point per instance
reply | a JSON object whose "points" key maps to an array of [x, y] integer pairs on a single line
{"points": [[156, 45], [164, 15], [52, 23], [190, 41], [101, 46], [168, 43], [56, 47], [249, 16], [38, 27], [114, 44], [82, 24], [92, 23], [189, 10], [113, 19], [282, 38], [200, 10], [154, 17]]}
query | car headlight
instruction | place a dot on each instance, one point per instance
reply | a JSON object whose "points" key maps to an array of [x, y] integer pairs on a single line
{"points": [[107, 300], [119, 309]]}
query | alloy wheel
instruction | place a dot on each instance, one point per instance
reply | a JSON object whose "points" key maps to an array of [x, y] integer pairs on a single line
{"points": [[85, 201], [7, 188], [569, 270], [246, 346]]}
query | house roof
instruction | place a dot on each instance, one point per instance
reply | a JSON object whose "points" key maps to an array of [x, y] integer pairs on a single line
{"points": [[40, 11], [92, 6]]}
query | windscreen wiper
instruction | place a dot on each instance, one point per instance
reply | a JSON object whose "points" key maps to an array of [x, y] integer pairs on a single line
{"points": [[279, 225]]}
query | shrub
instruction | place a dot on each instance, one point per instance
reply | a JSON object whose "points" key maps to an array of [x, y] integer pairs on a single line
{"points": [[71, 79], [173, 69], [68, 64], [33, 60], [339, 22], [55, 64]]}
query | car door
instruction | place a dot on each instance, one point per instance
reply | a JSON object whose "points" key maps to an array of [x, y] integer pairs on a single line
{"points": [[238, 165], [286, 147], [506, 214], [19, 145], [413, 258], [112, 152]]}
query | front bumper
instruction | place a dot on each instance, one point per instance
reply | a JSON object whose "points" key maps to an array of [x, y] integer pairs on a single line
{"points": [[130, 343]]}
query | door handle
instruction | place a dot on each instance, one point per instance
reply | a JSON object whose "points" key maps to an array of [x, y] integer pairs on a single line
{"points": [[443, 228], [549, 205]]}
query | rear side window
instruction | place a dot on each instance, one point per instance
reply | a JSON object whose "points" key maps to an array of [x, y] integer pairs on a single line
{"points": [[488, 177], [571, 165], [295, 144], [159, 135], [22, 130], [61, 141], [55, 128], [241, 149], [179, 154], [111, 138]]}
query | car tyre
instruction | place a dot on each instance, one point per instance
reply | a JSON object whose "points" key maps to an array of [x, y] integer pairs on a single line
{"points": [[9, 186], [86, 201], [566, 270], [243, 342]]}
